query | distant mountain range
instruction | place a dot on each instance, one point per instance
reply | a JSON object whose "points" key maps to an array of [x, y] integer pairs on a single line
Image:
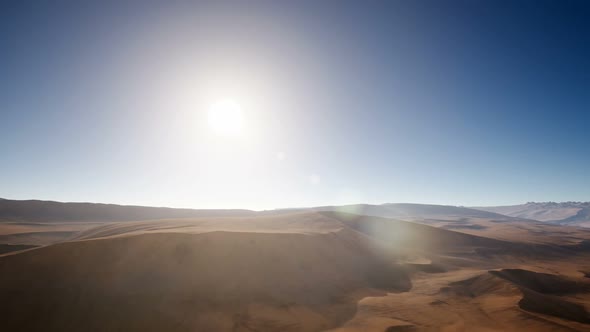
{"points": [[409, 211], [564, 213], [49, 211]]}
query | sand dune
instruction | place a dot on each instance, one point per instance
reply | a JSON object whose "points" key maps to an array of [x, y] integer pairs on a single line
{"points": [[6, 248], [543, 282], [538, 292], [38, 234], [297, 271], [524, 231], [407, 211], [471, 300], [215, 280]]}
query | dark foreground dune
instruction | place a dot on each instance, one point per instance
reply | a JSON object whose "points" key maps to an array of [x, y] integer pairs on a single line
{"points": [[197, 280], [309, 271]]}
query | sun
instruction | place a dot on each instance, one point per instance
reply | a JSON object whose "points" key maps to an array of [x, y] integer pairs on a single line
{"points": [[226, 118]]}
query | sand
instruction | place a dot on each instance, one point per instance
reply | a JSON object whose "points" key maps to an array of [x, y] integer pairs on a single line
{"points": [[302, 271]]}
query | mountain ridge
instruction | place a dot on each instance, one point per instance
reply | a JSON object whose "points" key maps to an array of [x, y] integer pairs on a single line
{"points": [[563, 213]]}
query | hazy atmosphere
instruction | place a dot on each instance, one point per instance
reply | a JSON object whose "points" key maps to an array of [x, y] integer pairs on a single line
{"points": [[322, 102]]}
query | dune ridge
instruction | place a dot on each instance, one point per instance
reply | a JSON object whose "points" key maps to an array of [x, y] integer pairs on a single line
{"points": [[216, 280], [538, 292]]}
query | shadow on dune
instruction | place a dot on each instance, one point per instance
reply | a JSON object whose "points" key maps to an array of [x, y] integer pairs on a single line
{"points": [[540, 292], [216, 281], [6, 248]]}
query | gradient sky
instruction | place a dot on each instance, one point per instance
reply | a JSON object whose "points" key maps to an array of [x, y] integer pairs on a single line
{"points": [[448, 102]]}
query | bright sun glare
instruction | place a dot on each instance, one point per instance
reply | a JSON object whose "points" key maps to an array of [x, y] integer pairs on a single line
{"points": [[225, 118]]}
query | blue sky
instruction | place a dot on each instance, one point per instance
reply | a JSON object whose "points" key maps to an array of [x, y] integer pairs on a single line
{"points": [[446, 102]]}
